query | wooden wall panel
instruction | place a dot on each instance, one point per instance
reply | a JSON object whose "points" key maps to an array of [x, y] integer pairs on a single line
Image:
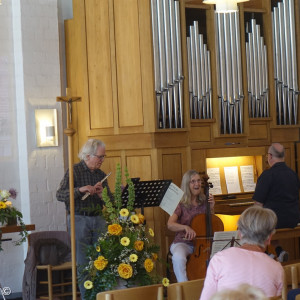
{"points": [[128, 63], [99, 64], [109, 165], [139, 166], [198, 160], [172, 167]]}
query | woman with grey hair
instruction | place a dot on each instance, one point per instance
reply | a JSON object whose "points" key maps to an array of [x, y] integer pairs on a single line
{"points": [[249, 263], [192, 203]]}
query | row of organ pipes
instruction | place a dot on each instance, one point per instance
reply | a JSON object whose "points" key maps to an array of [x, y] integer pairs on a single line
{"points": [[285, 63], [169, 74], [257, 71], [166, 32], [200, 91]]}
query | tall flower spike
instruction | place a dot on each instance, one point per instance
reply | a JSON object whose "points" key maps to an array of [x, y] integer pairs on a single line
{"points": [[118, 189], [131, 192]]}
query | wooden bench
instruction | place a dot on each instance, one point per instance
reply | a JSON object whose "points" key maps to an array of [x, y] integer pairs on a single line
{"points": [[289, 240], [287, 233]]}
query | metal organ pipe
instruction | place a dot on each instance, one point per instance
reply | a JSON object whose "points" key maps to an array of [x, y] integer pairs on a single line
{"points": [[230, 91], [257, 69], [285, 63], [167, 63]]}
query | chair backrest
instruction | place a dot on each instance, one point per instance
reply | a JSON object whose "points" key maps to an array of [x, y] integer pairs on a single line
{"points": [[149, 292], [50, 247], [63, 236], [292, 278], [188, 290]]}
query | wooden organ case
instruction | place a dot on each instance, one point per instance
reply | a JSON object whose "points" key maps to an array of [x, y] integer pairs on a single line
{"points": [[114, 63]]}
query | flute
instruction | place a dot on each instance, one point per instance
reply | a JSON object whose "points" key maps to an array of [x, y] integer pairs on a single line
{"points": [[88, 193]]}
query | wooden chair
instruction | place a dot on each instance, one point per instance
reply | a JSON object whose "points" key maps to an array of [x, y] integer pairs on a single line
{"points": [[292, 278], [149, 292], [52, 243], [188, 290]]}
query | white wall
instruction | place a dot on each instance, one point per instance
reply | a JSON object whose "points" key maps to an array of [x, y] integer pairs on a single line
{"points": [[31, 77]]}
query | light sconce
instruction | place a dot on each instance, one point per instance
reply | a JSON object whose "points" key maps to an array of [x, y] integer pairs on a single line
{"points": [[46, 127], [224, 5]]}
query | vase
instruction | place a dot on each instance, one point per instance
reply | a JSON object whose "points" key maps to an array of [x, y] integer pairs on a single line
{"points": [[121, 284], [12, 221]]}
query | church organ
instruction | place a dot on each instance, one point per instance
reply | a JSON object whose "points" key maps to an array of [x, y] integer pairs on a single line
{"points": [[112, 65]]}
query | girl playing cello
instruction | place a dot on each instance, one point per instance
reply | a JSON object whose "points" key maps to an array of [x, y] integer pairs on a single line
{"points": [[192, 203]]}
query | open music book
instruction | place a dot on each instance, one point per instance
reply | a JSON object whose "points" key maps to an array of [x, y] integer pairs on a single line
{"points": [[223, 240]]}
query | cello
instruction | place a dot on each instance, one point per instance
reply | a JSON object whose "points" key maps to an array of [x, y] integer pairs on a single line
{"points": [[204, 225]]}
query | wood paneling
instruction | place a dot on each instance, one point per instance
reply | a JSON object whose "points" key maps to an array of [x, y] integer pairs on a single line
{"points": [[258, 132], [172, 168], [109, 165], [200, 134], [99, 64], [139, 166], [287, 134], [128, 63]]}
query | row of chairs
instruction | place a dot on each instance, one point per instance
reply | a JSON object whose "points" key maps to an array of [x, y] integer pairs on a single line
{"points": [[191, 290], [177, 291]]}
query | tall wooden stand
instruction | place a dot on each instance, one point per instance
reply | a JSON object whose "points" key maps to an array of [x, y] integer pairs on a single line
{"points": [[69, 131]]}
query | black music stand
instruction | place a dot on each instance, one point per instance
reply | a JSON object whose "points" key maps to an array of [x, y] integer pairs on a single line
{"points": [[147, 193]]}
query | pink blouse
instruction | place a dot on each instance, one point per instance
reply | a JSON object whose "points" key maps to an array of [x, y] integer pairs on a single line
{"points": [[231, 267]]}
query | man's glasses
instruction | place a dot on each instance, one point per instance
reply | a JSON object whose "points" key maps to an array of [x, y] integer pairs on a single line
{"points": [[101, 157], [195, 181]]}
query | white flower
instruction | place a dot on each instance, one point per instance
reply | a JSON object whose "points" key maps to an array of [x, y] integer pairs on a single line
{"points": [[4, 194]]}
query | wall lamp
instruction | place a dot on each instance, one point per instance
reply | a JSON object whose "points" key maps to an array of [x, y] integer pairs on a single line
{"points": [[46, 127], [224, 5]]}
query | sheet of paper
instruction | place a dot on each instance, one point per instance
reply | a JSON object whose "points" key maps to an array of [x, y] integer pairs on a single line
{"points": [[232, 179], [247, 178], [214, 178], [171, 199], [223, 240]]}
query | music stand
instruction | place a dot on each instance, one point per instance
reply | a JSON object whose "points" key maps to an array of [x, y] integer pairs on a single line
{"points": [[147, 193], [223, 239]]}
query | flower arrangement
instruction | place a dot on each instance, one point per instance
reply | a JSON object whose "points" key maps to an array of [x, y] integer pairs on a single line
{"points": [[9, 215], [126, 251]]}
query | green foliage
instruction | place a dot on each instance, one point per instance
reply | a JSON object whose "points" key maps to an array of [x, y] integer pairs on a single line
{"points": [[127, 243], [8, 214]]}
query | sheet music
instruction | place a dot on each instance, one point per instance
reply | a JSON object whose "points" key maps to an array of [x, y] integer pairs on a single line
{"points": [[171, 198], [222, 240], [214, 178], [248, 178], [232, 179]]}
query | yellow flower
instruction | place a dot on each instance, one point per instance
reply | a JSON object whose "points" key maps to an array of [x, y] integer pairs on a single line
{"points": [[133, 257], [125, 271], [151, 232], [124, 212], [165, 281], [2, 205], [125, 241], [100, 263], [88, 284], [148, 265], [98, 248], [135, 219], [139, 245], [141, 218], [154, 256], [8, 203], [115, 229]]}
